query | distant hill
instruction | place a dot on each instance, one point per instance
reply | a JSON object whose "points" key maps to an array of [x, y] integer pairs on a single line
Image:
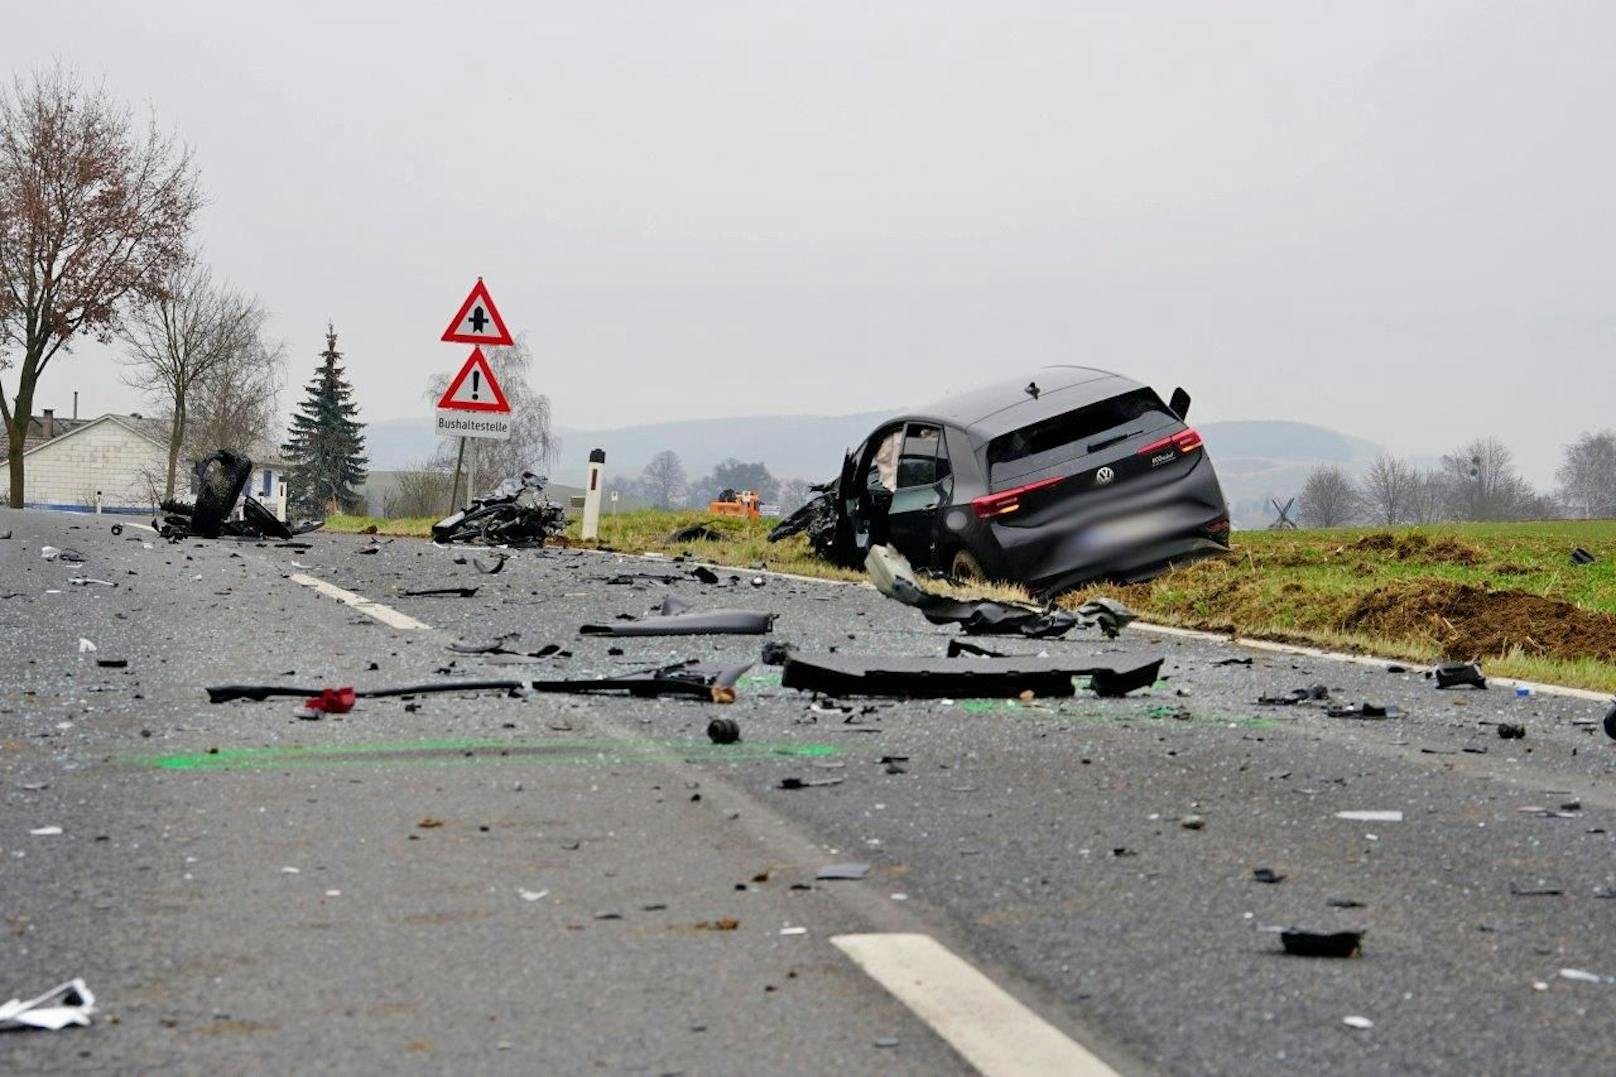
{"points": [[1256, 459]]}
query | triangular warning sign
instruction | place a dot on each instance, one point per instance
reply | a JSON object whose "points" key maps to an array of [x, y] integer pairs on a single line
{"points": [[474, 388], [478, 321]]}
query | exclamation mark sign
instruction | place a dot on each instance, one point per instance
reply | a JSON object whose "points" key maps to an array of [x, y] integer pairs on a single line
{"points": [[476, 383]]}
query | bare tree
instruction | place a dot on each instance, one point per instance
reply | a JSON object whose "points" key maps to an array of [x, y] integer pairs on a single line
{"points": [[794, 493], [194, 331], [532, 443], [1587, 475], [1426, 497], [1329, 498], [1482, 483], [1387, 486], [238, 405], [93, 212], [663, 481]]}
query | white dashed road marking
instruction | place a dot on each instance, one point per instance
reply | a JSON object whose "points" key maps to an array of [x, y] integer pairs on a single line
{"points": [[979, 1019], [385, 614]]}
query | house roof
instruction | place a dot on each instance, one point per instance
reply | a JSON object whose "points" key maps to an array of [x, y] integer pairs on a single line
{"points": [[134, 424]]}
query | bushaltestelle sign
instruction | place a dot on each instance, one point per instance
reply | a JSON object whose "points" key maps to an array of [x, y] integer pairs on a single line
{"points": [[474, 406]]}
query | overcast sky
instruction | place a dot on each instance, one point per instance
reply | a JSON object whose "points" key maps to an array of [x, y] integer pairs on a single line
{"points": [[1393, 219]]}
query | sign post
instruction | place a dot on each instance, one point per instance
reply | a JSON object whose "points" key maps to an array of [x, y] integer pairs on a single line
{"points": [[474, 406]]}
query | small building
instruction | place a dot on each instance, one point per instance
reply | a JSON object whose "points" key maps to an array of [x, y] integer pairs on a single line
{"points": [[118, 462]]}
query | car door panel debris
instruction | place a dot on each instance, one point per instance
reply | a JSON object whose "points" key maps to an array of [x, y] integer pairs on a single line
{"points": [[943, 678], [674, 619]]}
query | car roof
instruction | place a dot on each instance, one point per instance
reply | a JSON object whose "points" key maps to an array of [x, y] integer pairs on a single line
{"points": [[1005, 405]]}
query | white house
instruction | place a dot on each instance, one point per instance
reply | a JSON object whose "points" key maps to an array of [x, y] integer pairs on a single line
{"points": [[120, 463], [116, 461]]}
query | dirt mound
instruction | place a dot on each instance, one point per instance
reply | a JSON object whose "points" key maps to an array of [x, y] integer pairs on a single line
{"points": [[1510, 568], [1445, 550], [1379, 540], [1472, 622]]}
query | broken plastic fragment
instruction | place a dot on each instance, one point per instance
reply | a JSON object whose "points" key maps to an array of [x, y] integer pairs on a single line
{"points": [[1302, 942], [933, 678], [1371, 816], [672, 619], [65, 1004], [843, 871], [1459, 674]]}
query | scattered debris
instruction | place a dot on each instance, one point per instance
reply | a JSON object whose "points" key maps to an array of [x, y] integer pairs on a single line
{"points": [[257, 693], [775, 652], [65, 1004], [1360, 1023], [894, 578], [1511, 731], [441, 592], [703, 574], [1610, 722], [934, 678], [117, 529], [331, 701], [723, 923], [1192, 822], [1366, 710], [808, 783], [723, 731], [1345, 903], [672, 619], [1317, 693], [1371, 816], [1302, 942], [492, 566], [1108, 615], [680, 679], [696, 533], [67, 556], [1538, 889], [1581, 976], [112, 663], [1459, 674], [86, 646], [516, 513], [1233, 661], [46, 831], [843, 871], [1580, 556], [1266, 875]]}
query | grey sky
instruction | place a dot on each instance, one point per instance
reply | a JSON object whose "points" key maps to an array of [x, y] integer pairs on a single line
{"points": [[1394, 219]]}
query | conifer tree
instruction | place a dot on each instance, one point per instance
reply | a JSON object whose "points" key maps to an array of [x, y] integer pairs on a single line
{"points": [[326, 444]]}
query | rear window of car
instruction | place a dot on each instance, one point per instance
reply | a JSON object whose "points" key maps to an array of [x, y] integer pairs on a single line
{"points": [[1064, 438]]}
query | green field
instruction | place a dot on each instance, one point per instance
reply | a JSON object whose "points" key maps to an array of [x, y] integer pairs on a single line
{"points": [[1506, 594]]}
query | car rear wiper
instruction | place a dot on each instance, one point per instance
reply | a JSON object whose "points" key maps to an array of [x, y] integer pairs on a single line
{"points": [[1096, 446]]}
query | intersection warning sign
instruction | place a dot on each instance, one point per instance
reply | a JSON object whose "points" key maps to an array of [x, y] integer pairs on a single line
{"points": [[474, 406], [478, 321]]}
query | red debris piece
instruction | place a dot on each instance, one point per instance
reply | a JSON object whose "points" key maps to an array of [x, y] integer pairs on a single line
{"points": [[332, 700]]}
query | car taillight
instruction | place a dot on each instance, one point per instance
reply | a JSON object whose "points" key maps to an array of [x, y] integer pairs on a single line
{"points": [[1005, 502], [1185, 441]]}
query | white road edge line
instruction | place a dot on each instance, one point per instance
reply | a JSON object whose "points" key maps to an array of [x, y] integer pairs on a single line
{"points": [[991, 1030], [385, 614]]}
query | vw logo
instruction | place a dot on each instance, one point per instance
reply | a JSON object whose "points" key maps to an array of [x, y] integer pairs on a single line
{"points": [[1103, 476]]}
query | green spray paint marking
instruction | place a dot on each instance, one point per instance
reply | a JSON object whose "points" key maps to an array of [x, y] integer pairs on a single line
{"points": [[448, 753], [760, 680]]}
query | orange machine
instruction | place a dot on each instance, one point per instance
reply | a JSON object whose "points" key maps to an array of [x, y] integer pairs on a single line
{"points": [[742, 505]]}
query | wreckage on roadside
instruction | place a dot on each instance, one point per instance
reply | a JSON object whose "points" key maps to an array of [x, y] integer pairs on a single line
{"points": [[516, 513], [1052, 481], [223, 476]]}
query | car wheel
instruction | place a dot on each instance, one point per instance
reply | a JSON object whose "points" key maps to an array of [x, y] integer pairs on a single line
{"points": [[964, 566]]}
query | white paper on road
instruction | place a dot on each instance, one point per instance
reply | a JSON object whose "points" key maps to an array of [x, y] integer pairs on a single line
{"points": [[66, 1004]]}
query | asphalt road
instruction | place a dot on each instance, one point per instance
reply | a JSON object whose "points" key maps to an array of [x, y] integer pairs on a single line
{"points": [[477, 883]]}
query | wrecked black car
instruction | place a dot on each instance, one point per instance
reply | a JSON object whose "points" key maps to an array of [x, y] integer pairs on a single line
{"points": [[1050, 480]]}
